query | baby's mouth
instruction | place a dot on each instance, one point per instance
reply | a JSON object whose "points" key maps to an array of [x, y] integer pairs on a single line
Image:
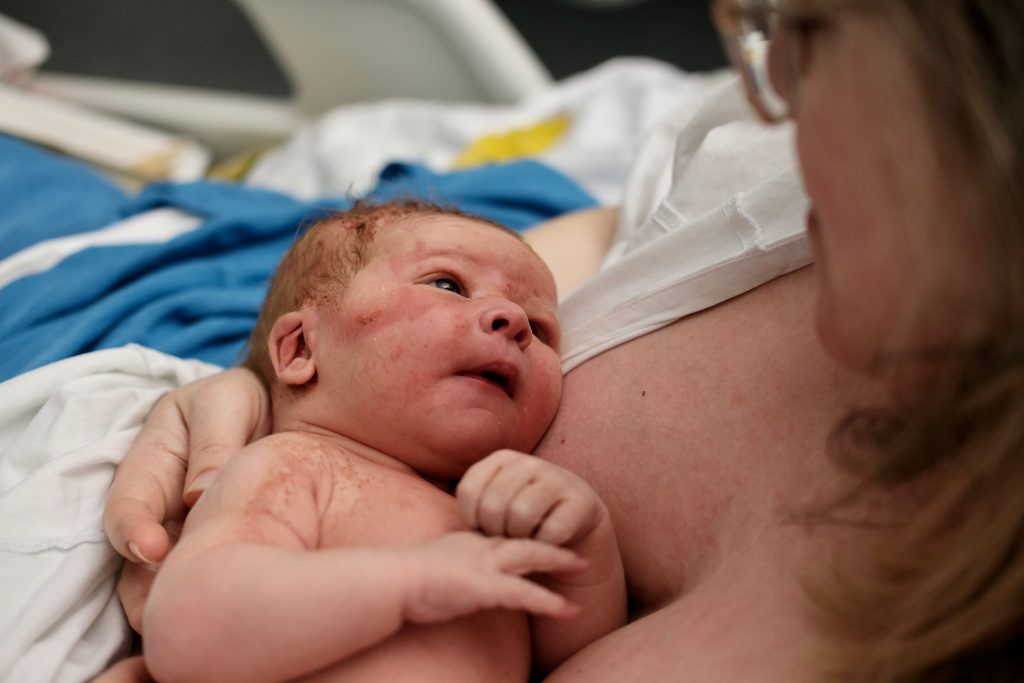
{"points": [[500, 375], [495, 377]]}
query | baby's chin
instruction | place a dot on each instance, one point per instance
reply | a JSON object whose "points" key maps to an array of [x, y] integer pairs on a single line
{"points": [[450, 459]]}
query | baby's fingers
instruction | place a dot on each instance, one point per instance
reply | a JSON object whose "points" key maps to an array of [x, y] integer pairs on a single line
{"points": [[515, 558], [486, 491], [568, 522], [521, 556], [463, 573], [474, 484], [517, 593]]}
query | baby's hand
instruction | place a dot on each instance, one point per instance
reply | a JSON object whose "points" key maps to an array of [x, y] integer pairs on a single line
{"points": [[463, 573], [521, 496]]}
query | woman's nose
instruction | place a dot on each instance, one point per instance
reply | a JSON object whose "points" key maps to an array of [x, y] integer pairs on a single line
{"points": [[510, 320]]}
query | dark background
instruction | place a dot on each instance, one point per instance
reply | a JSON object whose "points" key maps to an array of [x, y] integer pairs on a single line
{"points": [[115, 38]]}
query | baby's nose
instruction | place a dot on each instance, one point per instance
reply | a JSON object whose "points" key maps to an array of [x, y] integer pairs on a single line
{"points": [[510, 320]]}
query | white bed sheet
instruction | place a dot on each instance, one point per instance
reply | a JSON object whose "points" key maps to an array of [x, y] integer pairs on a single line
{"points": [[610, 109], [63, 429]]}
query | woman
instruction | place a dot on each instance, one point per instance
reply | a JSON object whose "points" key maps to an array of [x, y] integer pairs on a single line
{"points": [[919, 285], [753, 552]]}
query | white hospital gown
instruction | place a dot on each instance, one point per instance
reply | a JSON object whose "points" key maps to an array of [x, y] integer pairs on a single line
{"points": [[713, 207]]}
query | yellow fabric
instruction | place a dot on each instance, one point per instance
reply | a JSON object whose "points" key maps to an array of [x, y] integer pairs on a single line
{"points": [[514, 144], [234, 169]]}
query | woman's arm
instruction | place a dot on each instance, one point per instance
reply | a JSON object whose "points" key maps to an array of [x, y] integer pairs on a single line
{"points": [[574, 245], [246, 596], [187, 437]]}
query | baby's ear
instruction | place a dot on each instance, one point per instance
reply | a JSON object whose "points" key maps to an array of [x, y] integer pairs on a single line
{"points": [[290, 346]]}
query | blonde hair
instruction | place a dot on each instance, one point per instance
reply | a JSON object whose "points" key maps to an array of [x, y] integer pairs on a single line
{"points": [[942, 598], [323, 260]]}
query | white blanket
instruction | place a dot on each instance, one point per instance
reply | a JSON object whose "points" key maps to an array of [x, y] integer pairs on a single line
{"points": [[607, 112], [63, 429]]}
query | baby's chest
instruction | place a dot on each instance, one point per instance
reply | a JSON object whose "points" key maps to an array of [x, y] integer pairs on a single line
{"points": [[371, 508]]}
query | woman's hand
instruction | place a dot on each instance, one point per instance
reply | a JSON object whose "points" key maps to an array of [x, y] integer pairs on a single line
{"points": [[131, 670], [517, 495], [189, 434]]}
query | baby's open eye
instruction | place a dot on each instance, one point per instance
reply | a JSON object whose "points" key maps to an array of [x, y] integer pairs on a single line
{"points": [[448, 284]]}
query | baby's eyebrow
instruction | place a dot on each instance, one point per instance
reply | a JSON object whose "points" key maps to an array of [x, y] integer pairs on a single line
{"points": [[451, 253]]}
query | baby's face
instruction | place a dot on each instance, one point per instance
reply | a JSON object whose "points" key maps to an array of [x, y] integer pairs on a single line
{"points": [[444, 346]]}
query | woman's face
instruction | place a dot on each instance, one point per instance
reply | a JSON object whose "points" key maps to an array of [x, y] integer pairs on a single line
{"points": [[888, 223]]}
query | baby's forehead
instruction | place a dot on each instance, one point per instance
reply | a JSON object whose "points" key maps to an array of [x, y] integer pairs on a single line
{"points": [[442, 223], [430, 234], [470, 241]]}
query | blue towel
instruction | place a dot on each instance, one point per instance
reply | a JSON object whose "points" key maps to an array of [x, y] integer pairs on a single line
{"points": [[198, 295], [43, 195]]}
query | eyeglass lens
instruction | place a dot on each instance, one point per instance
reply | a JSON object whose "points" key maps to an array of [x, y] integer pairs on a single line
{"points": [[760, 42], [763, 51]]}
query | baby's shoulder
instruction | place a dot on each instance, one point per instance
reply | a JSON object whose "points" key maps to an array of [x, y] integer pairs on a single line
{"points": [[360, 502], [369, 504], [291, 449]]}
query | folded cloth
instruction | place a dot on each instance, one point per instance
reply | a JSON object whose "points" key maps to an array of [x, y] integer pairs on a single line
{"points": [[63, 429], [197, 294], [714, 208]]}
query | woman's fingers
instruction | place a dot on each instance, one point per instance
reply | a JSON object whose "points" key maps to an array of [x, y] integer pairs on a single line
{"points": [[147, 486], [223, 413], [136, 580], [131, 670], [132, 590], [187, 437]]}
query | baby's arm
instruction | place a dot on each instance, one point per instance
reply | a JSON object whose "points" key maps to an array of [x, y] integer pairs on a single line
{"points": [[246, 595], [521, 496]]}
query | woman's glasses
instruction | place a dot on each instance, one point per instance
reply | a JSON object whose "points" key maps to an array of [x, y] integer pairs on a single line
{"points": [[763, 50], [769, 43]]}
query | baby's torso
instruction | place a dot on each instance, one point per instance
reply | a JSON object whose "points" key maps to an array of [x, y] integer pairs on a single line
{"points": [[363, 503]]}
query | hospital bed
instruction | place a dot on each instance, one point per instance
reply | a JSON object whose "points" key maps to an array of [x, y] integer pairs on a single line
{"points": [[111, 293], [335, 52]]}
